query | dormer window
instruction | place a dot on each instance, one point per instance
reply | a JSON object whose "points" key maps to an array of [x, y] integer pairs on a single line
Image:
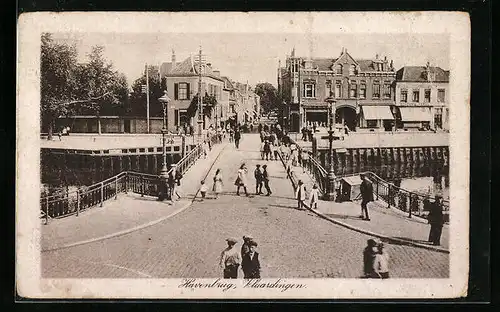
{"points": [[338, 69], [352, 70]]}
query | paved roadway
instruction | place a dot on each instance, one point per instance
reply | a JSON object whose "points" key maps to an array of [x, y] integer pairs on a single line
{"points": [[292, 243]]}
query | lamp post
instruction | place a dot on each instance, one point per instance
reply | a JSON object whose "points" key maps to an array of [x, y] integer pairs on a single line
{"points": [[164, 100], [330, 183]]}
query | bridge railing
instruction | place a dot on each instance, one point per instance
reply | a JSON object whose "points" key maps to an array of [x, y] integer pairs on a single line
{"points": [[413, 203], [67, 203]]}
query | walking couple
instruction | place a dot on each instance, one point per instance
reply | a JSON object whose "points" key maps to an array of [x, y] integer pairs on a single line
{"points": [[261, 177], [375, 260], [231, 259]]}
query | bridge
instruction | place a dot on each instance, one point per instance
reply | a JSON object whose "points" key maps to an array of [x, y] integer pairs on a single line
{"points": [[117, 228]]}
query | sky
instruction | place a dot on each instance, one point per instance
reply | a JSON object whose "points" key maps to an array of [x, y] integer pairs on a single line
{"points": [[254, 57]]}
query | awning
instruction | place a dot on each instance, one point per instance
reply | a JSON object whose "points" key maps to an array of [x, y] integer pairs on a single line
{"points": [[415, 114], [377, 112]]}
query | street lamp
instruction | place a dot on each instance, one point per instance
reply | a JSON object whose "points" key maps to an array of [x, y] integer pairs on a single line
{"points": [[164, 100], [330, 183]]}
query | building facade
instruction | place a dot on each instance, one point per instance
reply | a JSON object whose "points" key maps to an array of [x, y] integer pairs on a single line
{"points": [[363, 91], [422, 97], [182, 81]]}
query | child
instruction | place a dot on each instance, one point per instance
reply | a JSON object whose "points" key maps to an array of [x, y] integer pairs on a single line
{"points": [[205, 147], [313, 197], [203, 190]]}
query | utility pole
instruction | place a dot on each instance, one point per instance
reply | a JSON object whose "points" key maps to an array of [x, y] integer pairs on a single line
{"points": [[200, 96], [147, 97]]}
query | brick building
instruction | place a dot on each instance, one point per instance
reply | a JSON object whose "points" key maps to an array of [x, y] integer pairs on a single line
{"points": [[363, 89], [422, 97]]}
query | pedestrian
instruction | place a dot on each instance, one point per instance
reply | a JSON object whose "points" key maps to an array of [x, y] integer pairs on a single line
{"points": [[267, 149], [237, 137], [369, 258], [305, 160], [381, 262], [261, 149], [204, 147], [275, 150], [241, 180], [436, 220], [230, 259], [245, 247], [178, 178], [250, 263], [265, 179], [366, 189], [314, 197], [300, 194], [217, 188], [203, 189], [171, 185], [258, 180]]}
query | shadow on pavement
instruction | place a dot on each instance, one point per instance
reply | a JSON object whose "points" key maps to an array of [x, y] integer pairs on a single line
{"points": [[286, 207], [425, 242], [338, 216]]}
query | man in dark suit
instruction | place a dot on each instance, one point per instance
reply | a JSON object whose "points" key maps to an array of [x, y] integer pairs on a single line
{"points": [[436, 220], [265, 179], [250, 264], [366, 189]]}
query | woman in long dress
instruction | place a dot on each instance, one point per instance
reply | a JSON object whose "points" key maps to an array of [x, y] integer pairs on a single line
{"points": [[217, 183], [241, 180]]}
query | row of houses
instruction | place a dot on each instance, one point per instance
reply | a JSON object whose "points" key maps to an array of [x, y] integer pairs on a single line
{"points": [[367, 94], [235, 102]]}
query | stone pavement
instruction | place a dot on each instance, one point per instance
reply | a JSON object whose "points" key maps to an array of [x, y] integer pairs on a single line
{"points": [[386, 222], [292, 243], [127, 213]]}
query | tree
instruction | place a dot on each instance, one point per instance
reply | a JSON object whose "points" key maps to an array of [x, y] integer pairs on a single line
{"points": [[69, 88], [138, 98], [58, 81], [269, 100]]}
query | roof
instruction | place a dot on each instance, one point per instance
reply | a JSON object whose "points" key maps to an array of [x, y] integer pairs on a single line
{"points": [[228, 83], [325, 64], [189, 67], [418, 74]]}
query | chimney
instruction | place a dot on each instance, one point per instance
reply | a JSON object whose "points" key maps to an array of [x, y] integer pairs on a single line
{"points": [[173, 59], [385, 58], [216, 73]]}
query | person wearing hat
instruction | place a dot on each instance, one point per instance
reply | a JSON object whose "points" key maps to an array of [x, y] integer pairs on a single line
{"points": [[267, 149], [369, 258], [436, 220], [230, 259], [245, 248], [265, 179], [257, 173], [250, 264], [300, 194], [366, 189], [381, 262]]}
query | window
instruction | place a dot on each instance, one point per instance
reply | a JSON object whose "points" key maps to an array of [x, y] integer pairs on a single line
{"points": [[416, 96], [404, 96], [362, 90], [441, 95], [376, 90], [309, 90], [338, 89], [427, 96], [181, 91], [328, 89], [438, 118], [371, 123], [352, 70], [338, 69], [353, 90], [387, 90]]}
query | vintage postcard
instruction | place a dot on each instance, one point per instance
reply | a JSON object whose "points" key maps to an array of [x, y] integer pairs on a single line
{"points": [[243, 155]]}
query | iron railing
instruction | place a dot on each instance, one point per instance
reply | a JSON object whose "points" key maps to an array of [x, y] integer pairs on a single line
{"points": [[413, 203], [66, 203]]}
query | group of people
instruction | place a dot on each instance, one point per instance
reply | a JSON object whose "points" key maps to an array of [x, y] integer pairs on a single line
{"points": [[248, 258], [375, 260]]}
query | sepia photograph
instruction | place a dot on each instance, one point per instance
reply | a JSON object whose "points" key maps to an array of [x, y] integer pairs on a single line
{"points": [[261, 155]]}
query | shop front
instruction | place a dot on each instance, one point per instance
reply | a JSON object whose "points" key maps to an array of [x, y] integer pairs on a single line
{"points": [[376, 118], [415, 118]]}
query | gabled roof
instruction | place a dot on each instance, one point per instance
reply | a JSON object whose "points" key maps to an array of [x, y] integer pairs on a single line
{"points": [[323, 63], [227, 82], [189, 67], [418, 74]]}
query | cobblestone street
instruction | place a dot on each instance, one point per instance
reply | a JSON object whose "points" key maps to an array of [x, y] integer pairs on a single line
{"points": [[292, 243]]}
